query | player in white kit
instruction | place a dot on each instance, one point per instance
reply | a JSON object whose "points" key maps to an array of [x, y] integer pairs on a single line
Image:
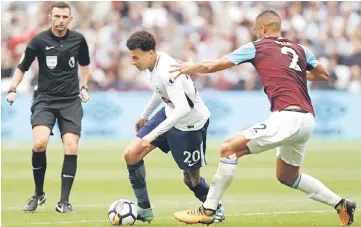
{"points": [[179, 127]]}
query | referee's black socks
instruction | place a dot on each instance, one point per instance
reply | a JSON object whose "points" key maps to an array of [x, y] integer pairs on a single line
{"points": [[38, 161], [67, 176]]}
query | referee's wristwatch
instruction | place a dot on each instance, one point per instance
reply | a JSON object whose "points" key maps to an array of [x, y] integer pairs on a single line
{"points": [[12, 90], [84, 87]]}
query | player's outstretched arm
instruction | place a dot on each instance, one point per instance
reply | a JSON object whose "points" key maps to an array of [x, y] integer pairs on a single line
{"points": [[202, 67], [243, 54], [317, 74]]}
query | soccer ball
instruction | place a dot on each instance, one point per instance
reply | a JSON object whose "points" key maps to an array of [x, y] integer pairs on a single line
{"points": [[122, 212]]}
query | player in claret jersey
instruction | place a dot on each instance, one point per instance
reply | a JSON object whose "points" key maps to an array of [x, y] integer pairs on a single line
{"points": [[284, 67]]}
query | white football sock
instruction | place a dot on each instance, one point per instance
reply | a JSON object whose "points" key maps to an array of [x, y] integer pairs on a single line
{"points": [[316, 190], [221, 180]]}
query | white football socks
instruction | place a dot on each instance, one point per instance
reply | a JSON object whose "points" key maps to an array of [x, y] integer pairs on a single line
{"points": [[221, 180], [316, 190]]}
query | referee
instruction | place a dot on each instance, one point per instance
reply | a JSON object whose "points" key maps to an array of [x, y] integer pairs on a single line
{"points": [[59, 51]]}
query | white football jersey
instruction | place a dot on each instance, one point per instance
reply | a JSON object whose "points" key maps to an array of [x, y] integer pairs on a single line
{"points": [[185, 109]]}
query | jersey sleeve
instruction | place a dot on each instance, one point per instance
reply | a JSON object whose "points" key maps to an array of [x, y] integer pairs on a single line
{"points": [[243, 54], [311, 59], [177, 96], [29, 55], [151, 106], [83, 57]]}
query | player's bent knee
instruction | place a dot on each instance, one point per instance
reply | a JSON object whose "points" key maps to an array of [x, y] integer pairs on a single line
{"points": [[281, 177], [282, 181], [135, 152], [226, 150], [127, 156], [70, 141], [71, 148], [40, 145], [286, 179], [286, 174], [131, 157]]}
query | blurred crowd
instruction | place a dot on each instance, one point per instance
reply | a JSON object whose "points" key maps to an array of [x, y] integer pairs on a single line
{"points": [[186, 30]]}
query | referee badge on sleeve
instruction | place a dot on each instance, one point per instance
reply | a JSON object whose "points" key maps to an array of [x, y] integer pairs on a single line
{"points": [[51, 61], [72, 62]]}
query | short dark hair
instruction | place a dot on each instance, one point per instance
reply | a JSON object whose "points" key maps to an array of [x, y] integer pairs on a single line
{"points": [[272, 19], [142, 40], [61, 5], [269, 13]]}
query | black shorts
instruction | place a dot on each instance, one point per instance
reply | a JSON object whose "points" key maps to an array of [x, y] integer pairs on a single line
{"points": [[69, 113], [187, 147]]}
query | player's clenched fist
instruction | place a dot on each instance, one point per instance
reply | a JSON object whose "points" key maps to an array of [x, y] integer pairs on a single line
{"points": [[140, 124], [11, 97]]}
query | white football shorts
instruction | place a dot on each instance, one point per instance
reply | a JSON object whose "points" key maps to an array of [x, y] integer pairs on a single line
{"points": [[288, 131]]}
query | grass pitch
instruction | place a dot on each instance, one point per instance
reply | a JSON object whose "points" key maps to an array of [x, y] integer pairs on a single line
{"points": [[254, 199]]}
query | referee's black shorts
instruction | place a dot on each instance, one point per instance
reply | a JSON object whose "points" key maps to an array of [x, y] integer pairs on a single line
{"points": [[69, 113]]}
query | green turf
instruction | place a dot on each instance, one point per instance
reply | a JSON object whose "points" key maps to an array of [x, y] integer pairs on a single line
{"points": [[254, 199]]}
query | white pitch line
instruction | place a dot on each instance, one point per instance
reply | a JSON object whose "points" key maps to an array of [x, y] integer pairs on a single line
{"points": [[170, 203], [162, 218], [57, 223]]}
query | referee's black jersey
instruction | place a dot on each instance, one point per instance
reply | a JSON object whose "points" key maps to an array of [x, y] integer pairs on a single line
{"points": [[58, 59]]}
